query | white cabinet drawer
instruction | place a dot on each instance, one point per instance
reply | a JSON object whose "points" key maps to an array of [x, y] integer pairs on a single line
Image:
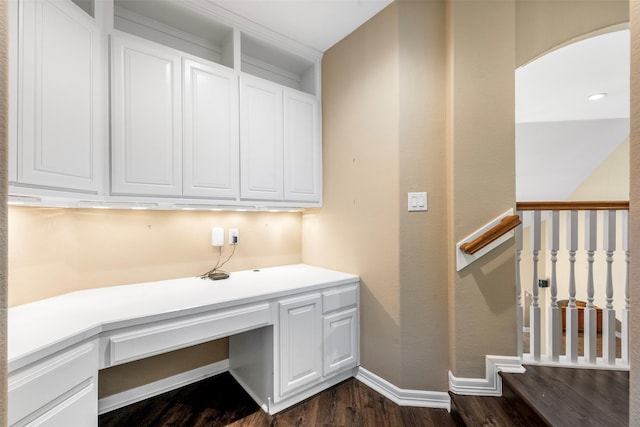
{"points": [[79, 409], [52, 385], [172, 335], [339, 299]]}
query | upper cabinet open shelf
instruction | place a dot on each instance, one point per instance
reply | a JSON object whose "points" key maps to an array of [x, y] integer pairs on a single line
{"points": [[207, 31], [278, 65], [172, 24]]}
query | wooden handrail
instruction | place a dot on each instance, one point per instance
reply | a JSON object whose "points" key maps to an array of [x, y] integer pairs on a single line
{"points": [[573, 206], [507, 224]]}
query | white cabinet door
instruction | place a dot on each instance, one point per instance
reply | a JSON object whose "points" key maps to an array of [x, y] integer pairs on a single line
{"points": [[146, 118], [261, 157], [302, 148], [340, 332], [60, 120], [210, 131], [300, 343]]}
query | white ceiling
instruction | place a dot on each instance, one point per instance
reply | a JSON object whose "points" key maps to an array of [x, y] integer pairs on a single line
{"points": [[561, 136], [555, 86], [318, 24]]}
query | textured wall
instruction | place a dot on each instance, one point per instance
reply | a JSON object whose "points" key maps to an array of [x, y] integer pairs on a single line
{"points": [[634, 199], [544, 24], [481, 161], [423, 259], [357, 228]]}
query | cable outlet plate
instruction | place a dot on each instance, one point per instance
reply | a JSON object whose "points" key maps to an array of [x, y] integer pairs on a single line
{"points": [[234, 236]]}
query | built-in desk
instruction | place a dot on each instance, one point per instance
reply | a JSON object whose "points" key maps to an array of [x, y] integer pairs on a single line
{"points": [[293, 332]]}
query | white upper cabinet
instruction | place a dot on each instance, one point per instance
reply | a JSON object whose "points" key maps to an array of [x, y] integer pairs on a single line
{"points": [[59, 84], [210, 131], [172, 104], [261, 140], [146, 119], [302, 147], [279, 143]]}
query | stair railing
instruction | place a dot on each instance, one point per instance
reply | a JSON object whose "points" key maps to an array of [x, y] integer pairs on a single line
{"points": [[569, 305]]}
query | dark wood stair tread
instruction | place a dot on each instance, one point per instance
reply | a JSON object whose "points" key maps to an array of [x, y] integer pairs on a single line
{"points": [[492, 411], [573, 397]]}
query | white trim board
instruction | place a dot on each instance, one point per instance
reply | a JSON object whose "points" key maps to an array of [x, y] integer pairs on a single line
{"points": [[120, 400], [492, 384], [404, 397]]}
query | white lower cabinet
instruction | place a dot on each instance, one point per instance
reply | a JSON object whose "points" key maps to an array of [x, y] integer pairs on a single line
{"points": [[313, 344], [283, 348], [60, 390], [300, 343], [340, 336]]}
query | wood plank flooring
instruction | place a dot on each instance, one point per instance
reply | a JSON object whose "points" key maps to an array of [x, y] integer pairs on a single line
{"points": [[573, 397], [220, 401]]}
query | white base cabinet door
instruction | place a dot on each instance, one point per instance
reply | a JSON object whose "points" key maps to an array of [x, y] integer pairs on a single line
{"points": [[211, 133], [340, 333], [146, 118], [60, 123], [300, 343]]}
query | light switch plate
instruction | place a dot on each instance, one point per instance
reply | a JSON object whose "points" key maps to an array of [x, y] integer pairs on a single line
{"points": [[417, 202]]}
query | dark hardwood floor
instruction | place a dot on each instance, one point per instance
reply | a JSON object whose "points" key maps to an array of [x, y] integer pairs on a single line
{"points": [[220, 401], [573, 397], [542, 396], [550, 396]]}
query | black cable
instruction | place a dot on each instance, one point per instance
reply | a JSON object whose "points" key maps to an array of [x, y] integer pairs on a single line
{"points": [[215, 272]]}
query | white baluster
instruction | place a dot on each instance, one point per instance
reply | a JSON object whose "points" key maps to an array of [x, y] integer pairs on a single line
{"points": [[554, 322], [571, 312], [519, 308], [609, 314], [534, 314], [625, 312], [590, 245]]}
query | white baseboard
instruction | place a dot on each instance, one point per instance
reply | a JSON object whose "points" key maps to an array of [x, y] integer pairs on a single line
{"points": [[492, 384], [404, 397], [155, 388]]}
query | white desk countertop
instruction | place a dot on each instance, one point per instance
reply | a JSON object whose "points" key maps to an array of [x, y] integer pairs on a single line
{"points": [[43, 327]]}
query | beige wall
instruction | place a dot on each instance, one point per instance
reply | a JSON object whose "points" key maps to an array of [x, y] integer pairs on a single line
{"points": [[3, 211], [54, 251], [634, 199], [422, 157], [357, 228], [481, 161], [610, 180], [544, 24], [383, 136]]}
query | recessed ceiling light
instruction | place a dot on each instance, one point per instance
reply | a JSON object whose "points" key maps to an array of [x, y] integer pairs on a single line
{"points": [[597, 96]]}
